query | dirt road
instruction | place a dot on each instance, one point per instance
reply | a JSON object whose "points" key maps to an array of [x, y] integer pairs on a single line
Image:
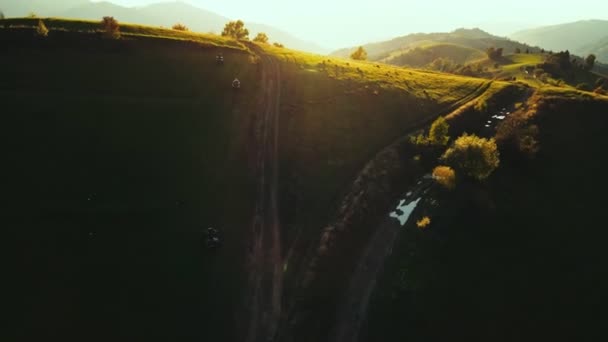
{"points": [[265, 263], [353, 308]]}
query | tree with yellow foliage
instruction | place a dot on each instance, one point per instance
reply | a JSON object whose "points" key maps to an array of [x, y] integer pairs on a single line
{"points": [[41, 30], [180, 27], [424, 222], [236, 30], [445, 176], [474, 156], [360, 54], [261, 38]]}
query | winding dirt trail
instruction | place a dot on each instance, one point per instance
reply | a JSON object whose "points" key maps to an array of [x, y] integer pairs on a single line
{"points": [[352, 311], [265, 262]]}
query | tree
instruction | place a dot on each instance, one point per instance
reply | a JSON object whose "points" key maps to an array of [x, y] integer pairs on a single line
{"points": [[438, 134], [360, 54], [1, 15], [527, 51], [261, 38], [180, 27], [517, 50], [279, 45], [41, 29], [473, 156], [110, 27], [590, 61], [236, 30], [32, 15], [445, 176], [424, 222]]}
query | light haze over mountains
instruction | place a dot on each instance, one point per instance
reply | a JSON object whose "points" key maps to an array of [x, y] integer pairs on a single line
{"points": [[323, 26]]}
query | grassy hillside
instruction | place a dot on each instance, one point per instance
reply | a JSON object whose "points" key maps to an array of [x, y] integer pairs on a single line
{"points": [[61, 25], [470, 38], [426, 54], [121, 152], [337, 114], [534, 69]]}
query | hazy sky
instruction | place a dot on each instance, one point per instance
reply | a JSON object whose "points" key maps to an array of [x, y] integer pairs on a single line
{"points": [[339, 23]]}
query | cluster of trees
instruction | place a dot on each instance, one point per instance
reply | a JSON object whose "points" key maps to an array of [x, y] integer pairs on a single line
{"points": [[562, 65], [473, 70], [469, 155], [494, 53], [261, 38], [518, 50], [236, 30], [1, 15], [438, 134], [473, 156], [180, 27], [590, 62], [109, 26]]}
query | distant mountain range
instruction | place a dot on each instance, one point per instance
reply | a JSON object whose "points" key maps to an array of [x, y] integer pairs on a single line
{"points": [[581, 38], [160, 14], [418, 49]]}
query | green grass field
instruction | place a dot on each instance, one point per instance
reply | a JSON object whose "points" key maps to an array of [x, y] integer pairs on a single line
{"points": [[426, 53]]}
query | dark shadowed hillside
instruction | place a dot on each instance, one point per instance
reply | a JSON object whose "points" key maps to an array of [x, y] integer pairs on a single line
{"points": [[168, 184], [518, 257], [116, 171]]}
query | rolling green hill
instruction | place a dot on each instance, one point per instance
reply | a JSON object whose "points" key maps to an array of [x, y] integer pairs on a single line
{"points": [[599, 48], [422, 55], [465, 38], [581, 37]]}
